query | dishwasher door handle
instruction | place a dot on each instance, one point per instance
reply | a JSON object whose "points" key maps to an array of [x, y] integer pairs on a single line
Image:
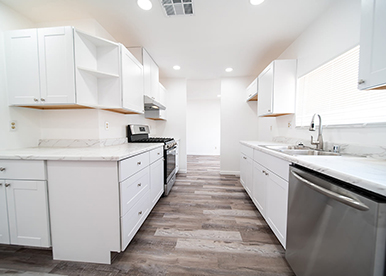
{"points": [[341, 198]]}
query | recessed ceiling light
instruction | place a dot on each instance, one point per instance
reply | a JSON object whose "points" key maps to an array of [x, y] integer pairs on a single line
{"points": [[176, 67], [145, 4], [229, 70], [218, 96], [256, 2]]}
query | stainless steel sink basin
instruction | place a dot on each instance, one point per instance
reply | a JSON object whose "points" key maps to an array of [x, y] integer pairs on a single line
{"points": [[300, 150]]}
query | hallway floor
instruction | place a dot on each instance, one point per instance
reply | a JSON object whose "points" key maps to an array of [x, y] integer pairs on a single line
{"points": [[206, 226]]}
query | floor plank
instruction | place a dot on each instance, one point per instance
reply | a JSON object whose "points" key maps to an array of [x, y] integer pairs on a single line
{"points": [[206, 226]]}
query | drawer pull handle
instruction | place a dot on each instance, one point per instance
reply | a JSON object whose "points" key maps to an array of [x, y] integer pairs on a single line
{"points": [[7, 184], [139, 163], [158, 153], [2, 169], [139, 184], [244, 157], [140, 213]]}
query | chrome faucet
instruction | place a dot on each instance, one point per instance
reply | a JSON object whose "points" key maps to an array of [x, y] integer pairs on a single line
{"points": [[319, 143]]}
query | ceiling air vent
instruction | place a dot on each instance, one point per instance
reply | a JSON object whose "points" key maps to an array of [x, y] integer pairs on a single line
{"points": [[177, 7]]}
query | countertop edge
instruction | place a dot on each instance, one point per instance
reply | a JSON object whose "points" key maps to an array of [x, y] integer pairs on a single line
{"points": [[373, 186]]}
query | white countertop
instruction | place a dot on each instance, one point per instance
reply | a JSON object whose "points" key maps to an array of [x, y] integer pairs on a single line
{"points": [[108, 153], [367, 173]]}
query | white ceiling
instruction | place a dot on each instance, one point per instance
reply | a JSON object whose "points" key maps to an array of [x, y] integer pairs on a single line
{"points": [[221, 34]]}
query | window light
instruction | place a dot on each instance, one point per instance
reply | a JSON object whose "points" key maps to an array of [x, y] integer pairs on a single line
{"points": [[331, 90]]}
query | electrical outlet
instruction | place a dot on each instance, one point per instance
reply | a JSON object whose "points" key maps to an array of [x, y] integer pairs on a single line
{"points": [[13, 126], [270, 128], [289, 124], [107, 125]]}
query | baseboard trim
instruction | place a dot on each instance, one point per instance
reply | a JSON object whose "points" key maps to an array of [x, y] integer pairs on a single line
{"points": [[182, 171], [237, 173]]}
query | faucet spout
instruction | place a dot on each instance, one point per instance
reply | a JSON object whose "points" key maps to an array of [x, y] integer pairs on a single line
{"points": [[319, 142]]}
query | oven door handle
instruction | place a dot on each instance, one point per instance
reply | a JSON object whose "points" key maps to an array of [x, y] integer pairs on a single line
{"points": [[338, 197], [171, 149]]}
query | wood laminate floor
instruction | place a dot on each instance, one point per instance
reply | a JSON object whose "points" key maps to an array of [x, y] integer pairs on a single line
{"points": [[206, 226]]}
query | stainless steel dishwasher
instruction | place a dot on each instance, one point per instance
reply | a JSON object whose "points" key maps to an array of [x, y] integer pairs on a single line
{"points": [[334, 228]]}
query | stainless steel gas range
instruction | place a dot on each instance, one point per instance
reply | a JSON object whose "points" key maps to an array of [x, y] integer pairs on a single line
{"points": [[140, 134]]}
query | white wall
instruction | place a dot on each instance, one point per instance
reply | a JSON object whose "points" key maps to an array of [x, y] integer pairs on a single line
{"points": [[28, 131], [203, 127], [239, 121], [336, 31], [203, 117], [175, 126]]}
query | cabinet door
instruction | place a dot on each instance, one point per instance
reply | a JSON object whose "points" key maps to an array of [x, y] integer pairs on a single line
{"points": [[265, 91], [56, 60], [22, 62], [147, 66], [132, 82], [155, 81], [156, 181], [246, 173], [162, 94], [372, 64], [4, 231], [276, 206], [259, 187], [28, 213]]}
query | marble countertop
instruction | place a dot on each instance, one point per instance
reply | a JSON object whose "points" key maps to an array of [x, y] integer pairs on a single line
{"points": [[367, 173], [108, 153]]}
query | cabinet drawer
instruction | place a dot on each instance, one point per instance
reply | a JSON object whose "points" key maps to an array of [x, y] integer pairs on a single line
{"points": [[247, 151], [156, 154], [22, 169], [132, 221], [132, 165], [133, 188], [272, 163]]}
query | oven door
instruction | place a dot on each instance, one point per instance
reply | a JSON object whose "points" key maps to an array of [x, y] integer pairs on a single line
{"points": [[170, 169], [171, 156]]}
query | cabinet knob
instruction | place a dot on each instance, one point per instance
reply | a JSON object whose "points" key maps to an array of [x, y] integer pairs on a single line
{"points": [[2, 169], [42, 99], [361, 81], [7, 184], [158, 153], [139, 184], [36, 100], [139, 163], [140, 213], [269, 110]]}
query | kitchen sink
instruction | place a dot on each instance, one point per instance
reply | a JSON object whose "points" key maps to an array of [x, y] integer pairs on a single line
{"points": [[300, 150]]}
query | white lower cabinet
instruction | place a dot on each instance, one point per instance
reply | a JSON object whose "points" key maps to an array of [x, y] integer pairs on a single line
{"points": [[157, 181], [276, 206], [4, 230], [268, 176], [259, 187], [24, 216]]}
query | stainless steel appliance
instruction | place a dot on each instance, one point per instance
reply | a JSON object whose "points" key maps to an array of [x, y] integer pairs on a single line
{"points": [[334, 228], [140, 134]]}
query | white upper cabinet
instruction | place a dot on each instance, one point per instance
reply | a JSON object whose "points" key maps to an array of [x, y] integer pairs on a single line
{"points": [[132, 82], [252, 91], [372, 64], [40, 66], [97, 64], [277, 87], [151, 77]]}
